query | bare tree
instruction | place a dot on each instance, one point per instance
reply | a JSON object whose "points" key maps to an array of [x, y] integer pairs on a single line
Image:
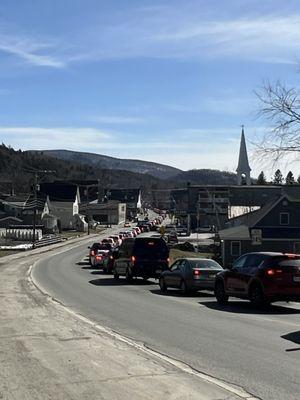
{"points": [[281, 106]]}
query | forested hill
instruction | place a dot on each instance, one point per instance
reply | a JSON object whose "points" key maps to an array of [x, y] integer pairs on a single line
{"points": [[157, 170], [17, 167]]}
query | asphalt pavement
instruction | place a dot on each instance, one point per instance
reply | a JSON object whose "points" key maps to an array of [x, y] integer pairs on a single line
{"points": [[258, 350]]}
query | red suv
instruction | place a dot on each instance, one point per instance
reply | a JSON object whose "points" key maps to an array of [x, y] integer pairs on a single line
{"points": [[260, 277]]}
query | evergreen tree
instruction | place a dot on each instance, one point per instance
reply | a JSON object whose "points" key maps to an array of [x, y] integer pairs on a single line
{"points": [[278, 178], [261, 180], [290, 180]]}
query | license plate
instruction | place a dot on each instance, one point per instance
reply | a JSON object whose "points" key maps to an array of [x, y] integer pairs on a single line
{"points": [[158, 271], [296, 278]]}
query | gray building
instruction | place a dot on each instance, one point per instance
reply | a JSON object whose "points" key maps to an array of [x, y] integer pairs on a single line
{"points": [[274, 227]]}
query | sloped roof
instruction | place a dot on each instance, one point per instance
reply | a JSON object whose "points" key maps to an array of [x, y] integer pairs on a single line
{"points": [[240, 232]]}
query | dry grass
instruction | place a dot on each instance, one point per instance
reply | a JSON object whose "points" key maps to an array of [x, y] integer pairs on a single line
{"points": [[175, 254], [4, 253]]}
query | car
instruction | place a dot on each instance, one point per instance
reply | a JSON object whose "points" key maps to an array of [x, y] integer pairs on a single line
{"points": [[127, 234], [93, 249], [108, 241], [145, 257], [190, 274], [262, 278], [116, 239], [172, 237], [100, 258]]}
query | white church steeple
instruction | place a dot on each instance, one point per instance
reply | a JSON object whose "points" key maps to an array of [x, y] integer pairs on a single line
{"points": [[243, 168]]}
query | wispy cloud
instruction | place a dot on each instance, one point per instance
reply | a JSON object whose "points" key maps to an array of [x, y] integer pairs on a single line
{"points": [[54, 137], [163, 32], [188, 34], [31, 50], [115, 119]]}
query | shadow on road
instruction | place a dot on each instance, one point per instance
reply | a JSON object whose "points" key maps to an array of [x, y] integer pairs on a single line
{"points": [[244, 307], [177, 293], [82, 263], [293, 337], [119, 282]]}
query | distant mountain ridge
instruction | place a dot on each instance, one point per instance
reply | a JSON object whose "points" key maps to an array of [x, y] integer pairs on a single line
{"points": [[105, 162]]}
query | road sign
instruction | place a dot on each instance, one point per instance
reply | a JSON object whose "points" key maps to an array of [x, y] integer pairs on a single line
{"points": [[256, 235]]}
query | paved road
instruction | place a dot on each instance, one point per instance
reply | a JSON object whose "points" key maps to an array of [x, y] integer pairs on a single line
{"points": [[259, 351]]}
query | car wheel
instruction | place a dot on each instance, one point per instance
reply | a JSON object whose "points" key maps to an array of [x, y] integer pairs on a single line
{"points": [[116, 275], [183, 287], [162, 285], [220, 293], [256, 295], [128, 276]]}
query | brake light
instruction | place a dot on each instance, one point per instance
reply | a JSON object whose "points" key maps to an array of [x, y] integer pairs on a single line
{"points": [[196, 272], [133, 259], [168, 260], [111, 257], [273, 271], [92, 253], [98, 257]]}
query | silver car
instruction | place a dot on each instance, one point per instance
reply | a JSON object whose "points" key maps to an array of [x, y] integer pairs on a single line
{"points": [[190, 274]]}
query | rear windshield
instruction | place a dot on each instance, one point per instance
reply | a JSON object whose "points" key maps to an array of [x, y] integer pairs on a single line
{"points": [[151, 248], [211, 264], [288, 261], [283, 260]]}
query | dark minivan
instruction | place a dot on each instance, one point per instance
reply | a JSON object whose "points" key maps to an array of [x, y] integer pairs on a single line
{"points": [[145, 257]]}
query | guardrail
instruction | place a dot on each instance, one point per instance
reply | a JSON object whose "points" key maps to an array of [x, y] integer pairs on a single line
{"points": [[47, 240]]}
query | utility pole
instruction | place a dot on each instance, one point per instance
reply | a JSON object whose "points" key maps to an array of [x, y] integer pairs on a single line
{"points": [[88, 209], [35, 189]]}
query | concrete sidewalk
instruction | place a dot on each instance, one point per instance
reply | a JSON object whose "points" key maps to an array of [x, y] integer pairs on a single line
{"points": [[48, 353]]}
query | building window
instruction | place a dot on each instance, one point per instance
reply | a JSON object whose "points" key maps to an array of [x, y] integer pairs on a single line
{"points": [[284, 218], [297, 247], [235, 249]]}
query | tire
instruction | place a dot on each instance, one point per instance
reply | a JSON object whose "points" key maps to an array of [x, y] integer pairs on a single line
{"points": [[183, 288], [128, 276], [221, 296], [256, 296], [116, 275], [162, 285]]}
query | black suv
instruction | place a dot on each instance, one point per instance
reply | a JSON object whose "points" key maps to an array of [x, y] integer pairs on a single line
{"points": [[261, 277], [141, 257]]}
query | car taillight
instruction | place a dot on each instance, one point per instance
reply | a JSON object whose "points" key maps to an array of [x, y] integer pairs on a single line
{"points": [[196, 272], [111, 257], [98, 257], [133, 259], [273, 271], [168, 260], [92, 253]]}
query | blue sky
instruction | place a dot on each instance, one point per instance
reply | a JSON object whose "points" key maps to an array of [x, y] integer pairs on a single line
{"points": [[166, 81]]}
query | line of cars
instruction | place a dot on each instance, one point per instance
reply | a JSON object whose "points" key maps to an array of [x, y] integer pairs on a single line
{"points": [[102, 254], [262, 277]]}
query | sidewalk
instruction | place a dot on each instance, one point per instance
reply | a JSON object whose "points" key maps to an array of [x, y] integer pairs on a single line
{"points": [[48, 353]]}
